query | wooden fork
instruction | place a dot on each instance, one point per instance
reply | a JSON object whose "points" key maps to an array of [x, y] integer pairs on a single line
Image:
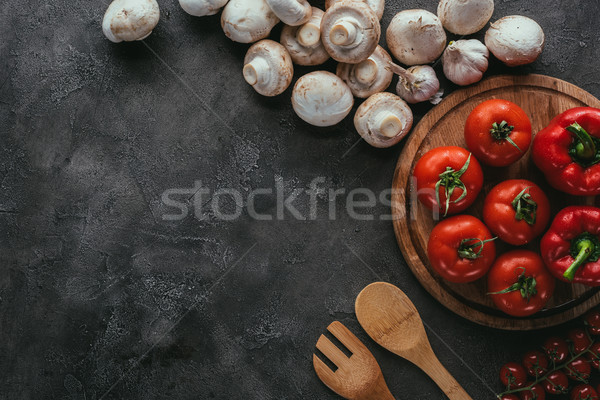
{"points": [[357, 377]]}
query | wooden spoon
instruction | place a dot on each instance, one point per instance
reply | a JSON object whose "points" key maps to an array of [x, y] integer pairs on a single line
{"points": [[357, 377], [392, 320]]}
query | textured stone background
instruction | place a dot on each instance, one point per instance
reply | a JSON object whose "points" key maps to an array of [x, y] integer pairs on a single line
{"points": [[102, 298]]}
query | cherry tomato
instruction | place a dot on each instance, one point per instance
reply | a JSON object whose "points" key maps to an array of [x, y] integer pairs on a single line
{"points": [[519, 283], [578, 370], [536, 393], [457, 174], [556, 349], [584, 392], [556, 383], [592, 320], [498, 132], [536, 363], [509, 397], [593, 356], [516, 211], [513, 375], [461, 249], [579, 339]]}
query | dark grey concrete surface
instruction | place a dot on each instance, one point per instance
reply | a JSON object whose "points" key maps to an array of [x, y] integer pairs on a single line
{"points": [[102, 298]]}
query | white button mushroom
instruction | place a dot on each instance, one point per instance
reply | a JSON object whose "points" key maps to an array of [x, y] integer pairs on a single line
{"points": [[129, 20], [200, 8], [247, 21], [368, 77], [322, 98], [515, 40], [464, 17], [350, 31], [376, 5], [291, 12], [417, 84], [383, 119], [465, 61], [304, 42], [416, 37], [268, 68]]}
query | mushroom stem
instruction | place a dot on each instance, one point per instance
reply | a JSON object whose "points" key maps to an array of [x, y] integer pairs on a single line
{"points": [[343, 33], [388, 123], [255, 70], [309, 35], [366, 71]]}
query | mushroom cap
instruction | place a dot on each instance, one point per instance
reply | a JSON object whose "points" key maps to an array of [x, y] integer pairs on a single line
{"points": [[304, 42], [291, 12], [350, 31], [200, 8], [383, 119], [368, 77], [247, 21], [464, 17], [376, 5], [268, 68], [515, 40], [129, 20], [465, 61], [322, 98], [416, 37]]}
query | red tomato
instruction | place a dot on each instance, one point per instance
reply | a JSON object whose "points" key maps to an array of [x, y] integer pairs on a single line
{"points": [[498, 132], [536, 363], [578, 370], [593, 356], [556, 349], [519, 283], [457, 175], [461, 249], [580, 340], [509, 397], [536, 393], [584, 392], [513, 375], [516, 211], [556, 383], [592, 320]]}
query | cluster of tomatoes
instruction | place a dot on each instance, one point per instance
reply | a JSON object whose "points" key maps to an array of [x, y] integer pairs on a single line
{"points": [[558, 364], [462, 248]]}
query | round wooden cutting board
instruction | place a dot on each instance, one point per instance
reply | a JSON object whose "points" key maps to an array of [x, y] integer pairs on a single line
{"points": [[542, 98]]}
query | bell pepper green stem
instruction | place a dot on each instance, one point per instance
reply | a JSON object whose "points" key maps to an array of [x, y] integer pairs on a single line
{"points": [[585, 247], [585, 148]]}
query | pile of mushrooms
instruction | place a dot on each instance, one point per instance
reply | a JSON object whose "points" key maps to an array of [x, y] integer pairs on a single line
{"points": [[349, 31]]}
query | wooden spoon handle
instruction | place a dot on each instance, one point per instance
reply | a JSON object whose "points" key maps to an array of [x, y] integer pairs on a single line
{"points": [[436, 371]]}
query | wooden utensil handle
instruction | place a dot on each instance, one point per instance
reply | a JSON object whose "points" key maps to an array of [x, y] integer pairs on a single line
{"points": [[436, 371]]}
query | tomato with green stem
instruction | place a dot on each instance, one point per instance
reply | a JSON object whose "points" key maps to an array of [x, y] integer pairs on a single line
{"points": [[448, 179], [461, 249], [498, 132], [556, 383], [519, 283], [556, 349], [513, 375], [578, 370], [535, 393], [584, 392], [517, 211], [536, 363]]}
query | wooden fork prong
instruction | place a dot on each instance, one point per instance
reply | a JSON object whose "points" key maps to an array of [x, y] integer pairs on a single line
{"points": [[346, 337], [323, 371], [331, 351]]}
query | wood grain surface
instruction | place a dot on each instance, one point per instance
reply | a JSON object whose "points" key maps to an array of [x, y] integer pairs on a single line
{"points": [[542, 98]]}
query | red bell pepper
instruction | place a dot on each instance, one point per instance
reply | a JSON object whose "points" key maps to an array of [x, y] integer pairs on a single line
{"points": [[568, 151], [571, 247]]}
